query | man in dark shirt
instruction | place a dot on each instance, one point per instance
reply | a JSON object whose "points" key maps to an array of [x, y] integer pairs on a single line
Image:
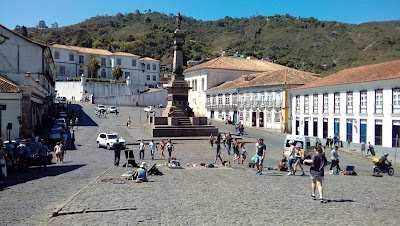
{"points": [[117, 152], [261, 149]]}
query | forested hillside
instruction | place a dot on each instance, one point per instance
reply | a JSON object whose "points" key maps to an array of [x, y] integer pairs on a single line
{"points": [[303, 43]]}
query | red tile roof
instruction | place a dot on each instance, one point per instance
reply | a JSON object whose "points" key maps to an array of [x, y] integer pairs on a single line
{"points": [[286, 76], [6, 86], [369, 73], [148, 58], [237, 64]]}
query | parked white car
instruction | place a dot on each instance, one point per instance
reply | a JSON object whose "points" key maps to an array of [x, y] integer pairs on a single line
{"points": [[100, 107], [149, 109], [108, 139], [112, 109]]}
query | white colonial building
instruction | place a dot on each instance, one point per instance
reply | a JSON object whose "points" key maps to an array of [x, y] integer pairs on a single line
{"points": [[257, 100], [27, 80], [357, 104], [72, 61], [217, 71]]}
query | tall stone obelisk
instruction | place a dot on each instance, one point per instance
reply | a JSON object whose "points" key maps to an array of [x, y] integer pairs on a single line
{"points": [[177, 88]]}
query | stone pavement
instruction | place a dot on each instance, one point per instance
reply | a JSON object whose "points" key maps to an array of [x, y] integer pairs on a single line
{"points": [[193, 195]]}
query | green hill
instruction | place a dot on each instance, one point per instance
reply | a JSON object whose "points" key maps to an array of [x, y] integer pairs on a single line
{"points": [[304, 43]]}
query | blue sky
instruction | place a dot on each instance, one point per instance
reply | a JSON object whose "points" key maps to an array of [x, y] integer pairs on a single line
{"points": [[30, 12]]}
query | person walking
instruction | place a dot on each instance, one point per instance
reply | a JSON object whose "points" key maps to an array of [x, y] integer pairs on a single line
{"points": [[298, 160], [291, 158], [42, 152], [211, 140], [335, 159], [153, 147], [218, 154], [63, 147], [170, 147], [142, 147], [235, 145], [228, 143], [318, 162], [261, 149], [162, 148], [117, 152], [57, 150], [362, 148], [73, 138], [128, 123], [76, 122], [243, 152]]}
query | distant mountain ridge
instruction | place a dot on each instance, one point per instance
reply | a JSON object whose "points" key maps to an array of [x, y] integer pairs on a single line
{"points": [[303, 43]]}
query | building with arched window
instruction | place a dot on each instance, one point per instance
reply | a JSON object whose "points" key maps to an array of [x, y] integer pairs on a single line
{"points": [[217, 71], [256, 100]]}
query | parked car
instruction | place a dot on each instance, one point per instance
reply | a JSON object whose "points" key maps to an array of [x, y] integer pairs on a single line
{"points": [[61, 99], [60, 121], [108, 139], [55, 133], [306, 143], [149, 109], [100, 107], [112, 109], [33, 159]]}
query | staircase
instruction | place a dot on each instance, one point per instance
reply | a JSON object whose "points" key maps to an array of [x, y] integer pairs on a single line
{"points": [[184, 121]]}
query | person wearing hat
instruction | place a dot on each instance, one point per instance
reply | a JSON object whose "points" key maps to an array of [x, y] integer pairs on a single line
{"points": [[141, 174], [291, 158]]}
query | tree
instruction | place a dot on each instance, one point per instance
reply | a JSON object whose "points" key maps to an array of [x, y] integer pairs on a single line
{"points": [[41, 25], [149, 11], [137, 12], [24, 31], [93, 66], [117, 72], [54, 25]]}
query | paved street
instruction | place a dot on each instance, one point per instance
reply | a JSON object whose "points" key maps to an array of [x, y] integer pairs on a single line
{"points": [[192, 195]]}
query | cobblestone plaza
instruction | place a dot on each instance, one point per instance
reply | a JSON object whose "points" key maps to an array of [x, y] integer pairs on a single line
{"points": [[192, 195]]}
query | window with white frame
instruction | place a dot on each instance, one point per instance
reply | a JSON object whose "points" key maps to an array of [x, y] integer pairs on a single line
{"points": [[148, 77], [227, 99], [133, 63], [208, 100], [262, 98], [103, 73], [242, 98], [363, 101], [202, 84], [154, 67], [278, 100], [297, 104], [315, 103], [255, 98], [326, 102], [306, 104], [127, 74], [103, 62], [234, 98], [148, 67], [220, 99], [240, 115], [337, 103], [118, 61], [57, 55], [154, 78], [396, 101], [214, 100], [247, 98], [349, 104], [378, 101], [71, 57]]}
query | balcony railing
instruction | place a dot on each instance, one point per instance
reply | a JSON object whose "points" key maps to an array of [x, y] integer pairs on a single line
{"points": [[223, 106], [395, 109]]}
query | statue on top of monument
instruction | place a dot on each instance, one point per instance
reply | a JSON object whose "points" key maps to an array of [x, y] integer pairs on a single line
{"points": [[178, 21]]}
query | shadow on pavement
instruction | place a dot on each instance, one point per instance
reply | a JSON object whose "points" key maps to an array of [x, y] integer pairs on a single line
{"points": [[340, 200], [34, 173], [85, 120]]}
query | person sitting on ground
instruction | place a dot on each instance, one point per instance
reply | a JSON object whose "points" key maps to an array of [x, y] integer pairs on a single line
{"points": [[141, 174]]}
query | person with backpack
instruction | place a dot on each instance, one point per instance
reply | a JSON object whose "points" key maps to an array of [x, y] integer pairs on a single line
{"points": [[318, 162]]}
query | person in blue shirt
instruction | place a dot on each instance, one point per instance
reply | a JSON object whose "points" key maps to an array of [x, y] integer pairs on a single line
{"points": [[141, 174]]}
